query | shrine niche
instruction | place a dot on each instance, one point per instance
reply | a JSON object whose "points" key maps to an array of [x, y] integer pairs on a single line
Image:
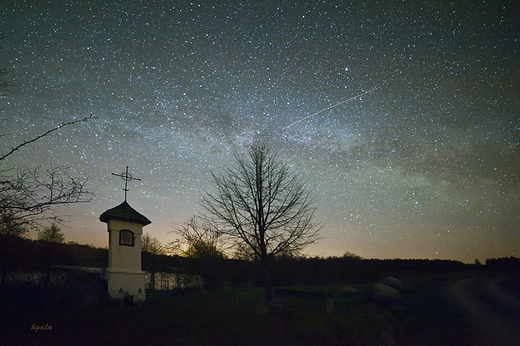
{"points": [[126, 237]]}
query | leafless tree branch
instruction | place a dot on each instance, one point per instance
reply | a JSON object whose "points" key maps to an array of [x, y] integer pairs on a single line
{"points": [[262, 207], [28, 196], [23, 144]]}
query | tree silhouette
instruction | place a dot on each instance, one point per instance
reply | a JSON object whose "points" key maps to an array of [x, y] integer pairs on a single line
{"points": [[27, 194], [9, 224], [52, 234], [199, 239], [262, 207], [154, 247]]}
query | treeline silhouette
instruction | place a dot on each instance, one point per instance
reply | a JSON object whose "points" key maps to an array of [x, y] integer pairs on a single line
{"points": [[25, 255], [336, 270], [509, 264]]}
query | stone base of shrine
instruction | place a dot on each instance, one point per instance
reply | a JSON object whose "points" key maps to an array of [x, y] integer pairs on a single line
{"points": [[121, 282]]}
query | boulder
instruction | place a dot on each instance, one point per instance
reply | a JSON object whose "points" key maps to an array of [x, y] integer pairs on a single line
{"points": [[392, 282], [382, 293], [347, 291]]}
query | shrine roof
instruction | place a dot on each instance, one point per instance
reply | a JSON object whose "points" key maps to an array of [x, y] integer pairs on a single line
{"points": [[124, 212]]}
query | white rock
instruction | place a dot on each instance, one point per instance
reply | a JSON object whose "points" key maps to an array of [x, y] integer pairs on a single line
{"points": [[392, 282], [385, 294]]}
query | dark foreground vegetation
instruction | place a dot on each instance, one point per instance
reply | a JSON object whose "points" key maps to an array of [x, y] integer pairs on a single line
{"points": [[78, 310], [242, 317]]}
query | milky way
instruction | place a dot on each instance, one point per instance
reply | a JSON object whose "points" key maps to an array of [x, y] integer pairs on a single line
{"points": [[425, 166]]}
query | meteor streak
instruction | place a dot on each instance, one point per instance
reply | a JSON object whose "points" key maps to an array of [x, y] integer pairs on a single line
{"points": [[326, 109]]}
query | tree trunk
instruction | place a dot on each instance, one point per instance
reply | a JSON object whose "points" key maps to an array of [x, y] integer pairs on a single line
{"points": [[268, 281]]}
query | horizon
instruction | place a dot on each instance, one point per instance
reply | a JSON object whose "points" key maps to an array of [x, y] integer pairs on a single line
{"points": [[32, 235]]}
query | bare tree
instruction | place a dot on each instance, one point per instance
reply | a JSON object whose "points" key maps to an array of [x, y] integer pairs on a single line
{"points": [[152, 245], [52, 234], [199, 239], [262, 207], [46, 133], [27, 195]]}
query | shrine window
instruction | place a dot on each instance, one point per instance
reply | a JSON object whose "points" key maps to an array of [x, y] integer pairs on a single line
{"points": [[126, 237]]}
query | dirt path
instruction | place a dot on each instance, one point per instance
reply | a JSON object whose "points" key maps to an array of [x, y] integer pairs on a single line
{"points": [[495, 312]]}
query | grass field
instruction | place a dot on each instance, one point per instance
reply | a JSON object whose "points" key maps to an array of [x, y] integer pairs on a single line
{"points": [[242, 317]]}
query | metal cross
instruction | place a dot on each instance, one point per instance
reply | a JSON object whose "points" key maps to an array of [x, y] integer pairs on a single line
{"points": [[126, 177]]}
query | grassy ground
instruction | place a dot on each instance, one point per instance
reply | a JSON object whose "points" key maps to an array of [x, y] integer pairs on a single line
{"points": [[242, 317]]}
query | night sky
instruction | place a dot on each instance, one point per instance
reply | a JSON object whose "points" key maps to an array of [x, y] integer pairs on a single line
{"points": [[425, 166]]}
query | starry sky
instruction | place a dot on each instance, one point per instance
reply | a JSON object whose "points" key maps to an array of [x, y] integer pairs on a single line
{"points": [[425, 166]]}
